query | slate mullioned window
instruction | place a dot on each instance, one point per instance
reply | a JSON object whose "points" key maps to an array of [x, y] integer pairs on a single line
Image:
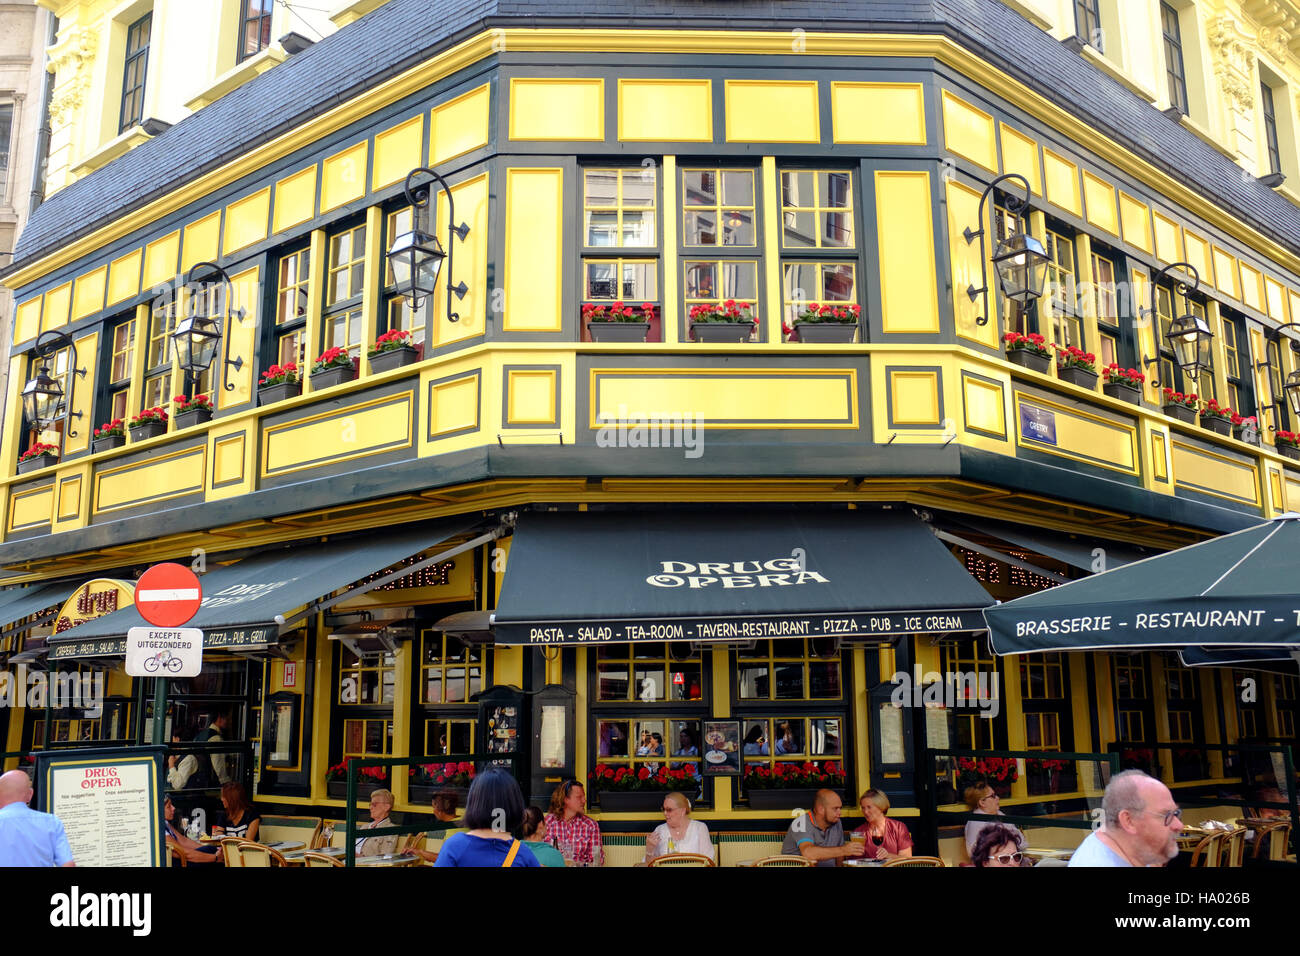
{"points": [[818, 240], [620, 238], [344, 281], [1105, 301], [122, 339], [158, 355], [293, 274], [1062, 270], [133, 74], [720, 238]]}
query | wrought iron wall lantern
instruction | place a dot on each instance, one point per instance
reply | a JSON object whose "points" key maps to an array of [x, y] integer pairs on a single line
{"points": [[1291, 387], [416, 256], [198, 336], [1189, 335], [1020, 259], [44, 402]]}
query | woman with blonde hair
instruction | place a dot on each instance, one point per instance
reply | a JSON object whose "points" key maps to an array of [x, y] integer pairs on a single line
{"points": [[885, 839], [678, 833]]}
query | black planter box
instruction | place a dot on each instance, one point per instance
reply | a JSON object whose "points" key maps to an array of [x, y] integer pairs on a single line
{"points": [[38, 462], [1220, 426], [618, 331], [722, 331], [1240, 435], [1025, 358], [384, 362], [801, 799], [634, 801], [270, 394], [1126, 393], [826, 333], [148, 430], [423, 794], [338, 789], [105, 444], [1180, 412], [332, 376], [195, 416], [1078, 376], [1290, 451]]}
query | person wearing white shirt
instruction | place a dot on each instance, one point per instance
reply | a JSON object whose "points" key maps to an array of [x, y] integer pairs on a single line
{"points": [[678, 833]]}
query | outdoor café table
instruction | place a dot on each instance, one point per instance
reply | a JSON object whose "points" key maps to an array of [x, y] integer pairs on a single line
{"points": [[1048, 852], [286, 846], [298, 857], [388, 859]]}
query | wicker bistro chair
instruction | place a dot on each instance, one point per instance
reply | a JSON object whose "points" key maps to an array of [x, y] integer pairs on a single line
{"points": [[230, 851], [175, 855], [255, 854], [682, 859], [783, 860], [319, 859], [922, 861], [1273, 835], [1234, 847], [1207, 852]]}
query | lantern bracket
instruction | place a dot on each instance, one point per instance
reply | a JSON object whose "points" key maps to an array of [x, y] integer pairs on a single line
{"points": [[1182, 288], [227, 296], [421, 197], [1014, 206], [49, 343]]}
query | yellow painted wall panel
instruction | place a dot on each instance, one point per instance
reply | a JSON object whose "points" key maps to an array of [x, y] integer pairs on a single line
{"points": [[57, 303], [1275, 299], [384, 424], [888, 113], [968, 131], [88, 293], [1225, 273], [246, 220], [679, 111], [743, 398], [984, 404], [1252, 287], [772, 111], [27, 320], [914, 397], [1159, 464], [1169, 241], [31, 508], [162, 260], [470, 266], [201, 241], [228, 459], [343, 177], [69, 498], [1062, 178], [124, 277], [163, 478], [1198, 256], [1293, 303], [83, 394], [963, 209], [459, 125], [1214, 474], [397, 151], [1292, 494], [1084, 437], [1020, 155], [1135, 222], [530, 397], [908, 284], [534, 249], [570, 108], [295, 200], [1099, 201], [1275, 486], [454, 406], [240, 340]]}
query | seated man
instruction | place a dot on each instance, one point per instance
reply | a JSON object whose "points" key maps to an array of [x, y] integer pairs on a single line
{"points": [[819, 835], [381, 805]]}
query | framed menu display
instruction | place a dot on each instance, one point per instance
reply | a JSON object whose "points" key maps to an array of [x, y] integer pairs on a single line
{"points": [[721, 748], [280, 733], [109, 801]]}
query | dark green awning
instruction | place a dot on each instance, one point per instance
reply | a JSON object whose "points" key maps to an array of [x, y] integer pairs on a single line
{"points": [[1074, 550], [24, 602], [1238, 589], [1275, 659], [241, 600], [625, 576]]}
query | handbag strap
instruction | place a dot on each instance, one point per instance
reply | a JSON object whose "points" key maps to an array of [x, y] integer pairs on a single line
{"points": [[510, 857]]}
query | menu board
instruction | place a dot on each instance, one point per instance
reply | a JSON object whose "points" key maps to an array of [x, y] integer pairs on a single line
{"points": [[893, 748], [109, 805], [553, 739]]}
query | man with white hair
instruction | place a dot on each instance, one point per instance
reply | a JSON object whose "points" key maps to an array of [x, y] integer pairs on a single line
{"points": [[28, 837], [1141, 828]]}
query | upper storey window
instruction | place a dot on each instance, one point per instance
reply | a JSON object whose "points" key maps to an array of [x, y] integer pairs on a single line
{"points": [[718, 208], [619, 207], [816, 209], [1175, 73], [1087, 23], [133, 76], [254, 28]]}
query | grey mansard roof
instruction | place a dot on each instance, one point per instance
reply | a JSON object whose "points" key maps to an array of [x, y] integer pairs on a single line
{"points": [[403, 33]]}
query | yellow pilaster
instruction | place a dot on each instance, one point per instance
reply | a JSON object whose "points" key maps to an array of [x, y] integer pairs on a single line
{"points": [[1081, 703], [722, 708], [772, 249], [402, 677], [323, 693], [1013, 711], [861, 717], [315, 294], [373, 280], [580, 718], [672, 265], [1160, 696]]}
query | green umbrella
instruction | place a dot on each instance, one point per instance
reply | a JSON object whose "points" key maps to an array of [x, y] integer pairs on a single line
{"points": [[1241, 589]]}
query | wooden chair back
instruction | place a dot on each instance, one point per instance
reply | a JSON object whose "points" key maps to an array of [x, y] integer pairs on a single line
{"points": [[783, 860], [1207, 852], [921, 861], [175, 855], [230, 851], [1234, 847], [1274, 836], [319, 859], [682, 859], [274, 829], [255, 854]]}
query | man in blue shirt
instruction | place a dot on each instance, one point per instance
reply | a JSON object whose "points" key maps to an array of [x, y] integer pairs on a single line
{"points": [[28, 837], [1142, 825]]}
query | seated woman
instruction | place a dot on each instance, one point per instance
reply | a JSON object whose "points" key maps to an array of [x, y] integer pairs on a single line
{"points": [[678, 833], [886, 839], [445, 803], [981, 798], [493, 811], [996, 846], [534, 834], [193, 851], [241, 818], [381, 805], [756, 742]]}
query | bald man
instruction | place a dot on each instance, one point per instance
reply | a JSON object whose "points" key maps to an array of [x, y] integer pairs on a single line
{"points": [[1142, 825], [819, 836], [28, 837]]}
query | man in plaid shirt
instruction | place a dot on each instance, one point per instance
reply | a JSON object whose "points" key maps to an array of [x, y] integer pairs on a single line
{"points": [[572, 832]]}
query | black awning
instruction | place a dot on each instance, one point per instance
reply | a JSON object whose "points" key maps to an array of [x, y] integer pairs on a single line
{"points": [[618, 577], [20, 603], [1074, 550], [242, 600], [1276, 659]]}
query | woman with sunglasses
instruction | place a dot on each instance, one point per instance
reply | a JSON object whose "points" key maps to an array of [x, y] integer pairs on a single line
{"points": [[571, 831], [678, 833], [996, 846], [981, 798]]}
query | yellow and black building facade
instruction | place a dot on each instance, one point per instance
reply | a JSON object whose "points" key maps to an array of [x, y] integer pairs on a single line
{"points": [[648, 157]]}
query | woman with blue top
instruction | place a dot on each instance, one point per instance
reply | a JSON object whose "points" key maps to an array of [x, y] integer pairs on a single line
{"points": [[494, 811]]}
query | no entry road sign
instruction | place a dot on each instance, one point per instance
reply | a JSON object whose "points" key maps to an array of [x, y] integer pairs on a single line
{"points": [[168, 595]]}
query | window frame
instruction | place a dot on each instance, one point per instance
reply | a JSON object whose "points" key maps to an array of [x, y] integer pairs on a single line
{"points": [[349, 307], [1269, 115], [1087, 22], [719, 253], [10, 107], [1175, 76], [619, 252], [133, 95], [263, 21], [820, 256]]}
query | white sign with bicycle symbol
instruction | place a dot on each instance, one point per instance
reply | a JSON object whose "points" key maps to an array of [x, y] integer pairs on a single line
{"points": [[164, 651]]}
